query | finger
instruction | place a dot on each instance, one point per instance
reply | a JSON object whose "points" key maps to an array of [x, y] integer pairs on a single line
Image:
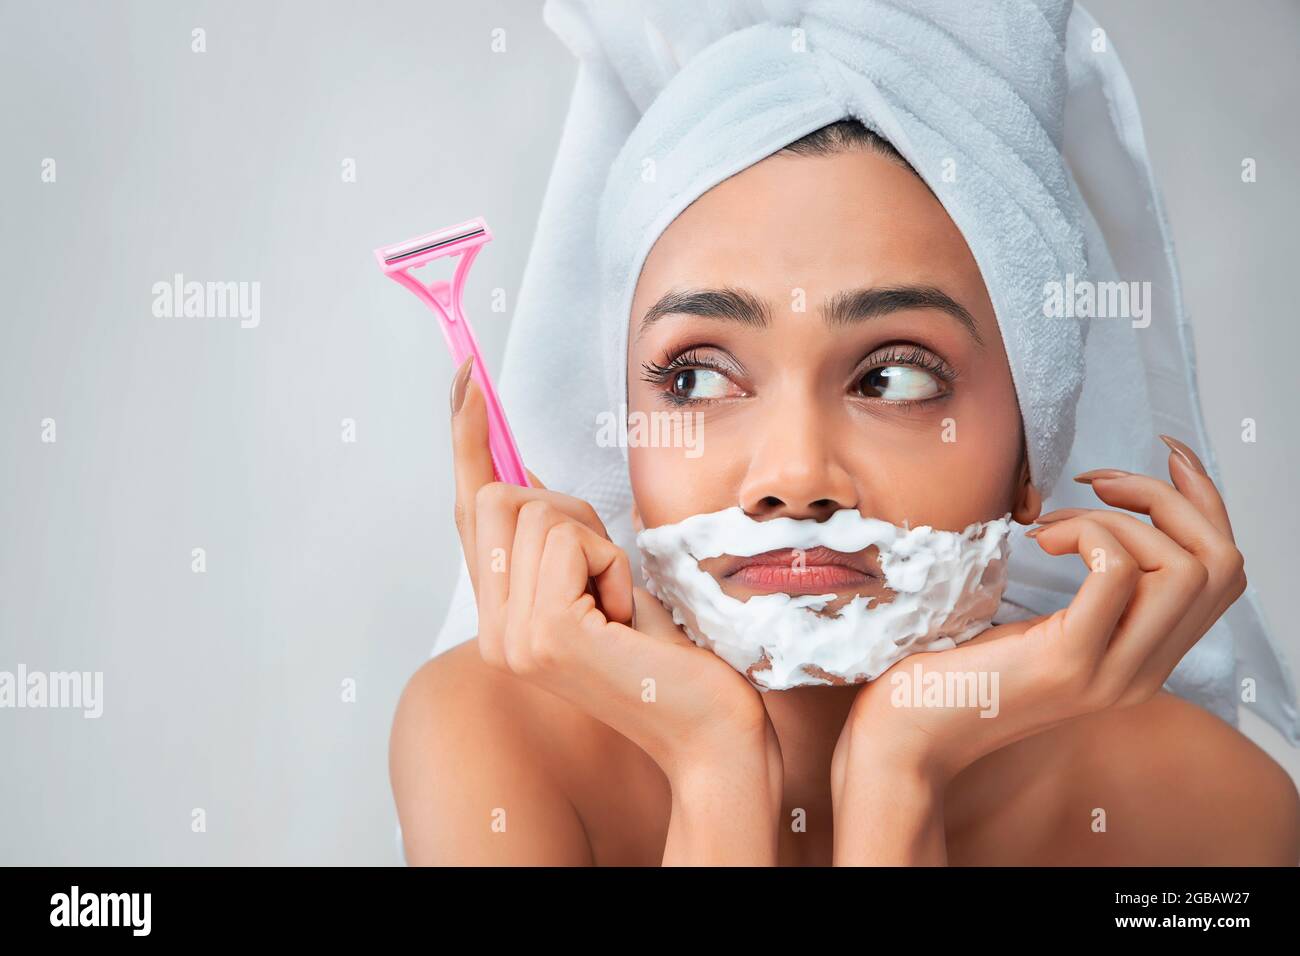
{"points": [[473, 470], [472, 464], [600, 660], [1151, 547], [533, 524], [513, 497], [496, 509], [1092, 616], [577, 554], [1177, 517], [534, 520], [1190, 477], [1162, 620]]}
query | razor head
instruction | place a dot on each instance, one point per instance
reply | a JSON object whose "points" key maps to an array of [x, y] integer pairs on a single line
{"points": [[451, 241]]}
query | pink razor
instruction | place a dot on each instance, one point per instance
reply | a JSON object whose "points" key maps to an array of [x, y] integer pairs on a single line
{"points": [[444, 298]]}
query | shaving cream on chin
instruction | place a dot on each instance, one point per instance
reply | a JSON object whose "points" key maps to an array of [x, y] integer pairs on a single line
{"points": [[946, 587]]}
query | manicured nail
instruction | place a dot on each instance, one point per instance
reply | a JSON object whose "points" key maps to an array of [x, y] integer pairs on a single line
{"points": [[1060, 514], [1185, 453], [1086, 478], [460, 383], [1033, 531]]}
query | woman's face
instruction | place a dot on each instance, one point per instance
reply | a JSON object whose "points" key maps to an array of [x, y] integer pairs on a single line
{"points": [[823, 322]]}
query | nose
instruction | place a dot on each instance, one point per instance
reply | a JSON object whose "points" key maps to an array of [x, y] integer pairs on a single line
{"points": [[795, 470]]}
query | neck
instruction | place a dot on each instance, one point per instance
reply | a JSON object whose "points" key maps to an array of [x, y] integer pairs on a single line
{"points": [[808, 721]]}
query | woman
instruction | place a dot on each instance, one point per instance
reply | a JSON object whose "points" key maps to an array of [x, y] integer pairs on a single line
{"points": [[535, 744]]}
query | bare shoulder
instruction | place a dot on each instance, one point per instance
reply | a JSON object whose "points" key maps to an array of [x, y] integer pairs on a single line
{"points": [[1168, 783], [472, 777]]}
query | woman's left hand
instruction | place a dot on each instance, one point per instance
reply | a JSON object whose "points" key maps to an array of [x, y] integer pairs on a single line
{"points": [[1152, 591]]}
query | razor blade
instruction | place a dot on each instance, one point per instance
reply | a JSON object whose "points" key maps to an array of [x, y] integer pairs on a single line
{"points": [[463, 241]]}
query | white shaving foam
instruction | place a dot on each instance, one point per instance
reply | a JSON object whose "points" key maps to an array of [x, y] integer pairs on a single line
{"points": [[946, 588]]}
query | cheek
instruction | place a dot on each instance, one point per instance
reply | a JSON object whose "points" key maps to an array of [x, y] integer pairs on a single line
{"points": [[678, 463], [682, 475], [658, 493], [962, 466]]}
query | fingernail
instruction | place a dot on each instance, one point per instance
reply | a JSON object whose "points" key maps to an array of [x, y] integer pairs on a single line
{"points": [[1185, 453], [460, 383], [1060, 514], [1032, 532], [1086, 478]]}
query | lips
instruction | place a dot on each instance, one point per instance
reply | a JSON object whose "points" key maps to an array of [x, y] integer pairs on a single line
{"points": [[791, 571]]}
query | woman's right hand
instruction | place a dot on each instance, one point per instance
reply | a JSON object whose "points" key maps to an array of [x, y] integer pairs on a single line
{"points": [[536, 557]]}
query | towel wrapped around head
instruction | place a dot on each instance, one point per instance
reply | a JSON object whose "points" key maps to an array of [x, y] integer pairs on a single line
{"points": [[1019, 117]]}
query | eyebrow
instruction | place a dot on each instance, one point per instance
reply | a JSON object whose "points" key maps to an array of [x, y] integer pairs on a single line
{"points": [[842, 309]]}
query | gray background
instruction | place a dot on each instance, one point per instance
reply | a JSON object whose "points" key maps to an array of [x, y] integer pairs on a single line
{"points": [[329, 561]]}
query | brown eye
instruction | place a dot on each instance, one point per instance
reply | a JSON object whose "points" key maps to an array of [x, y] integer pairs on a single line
{"points": [[699, 383], [899, 383]]}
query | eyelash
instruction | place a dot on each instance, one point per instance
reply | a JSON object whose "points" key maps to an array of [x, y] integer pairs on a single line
{"points": [[660, 375], [915, 356]]}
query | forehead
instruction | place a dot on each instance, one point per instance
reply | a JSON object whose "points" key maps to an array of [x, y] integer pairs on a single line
{"points": [[814, 222]]}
